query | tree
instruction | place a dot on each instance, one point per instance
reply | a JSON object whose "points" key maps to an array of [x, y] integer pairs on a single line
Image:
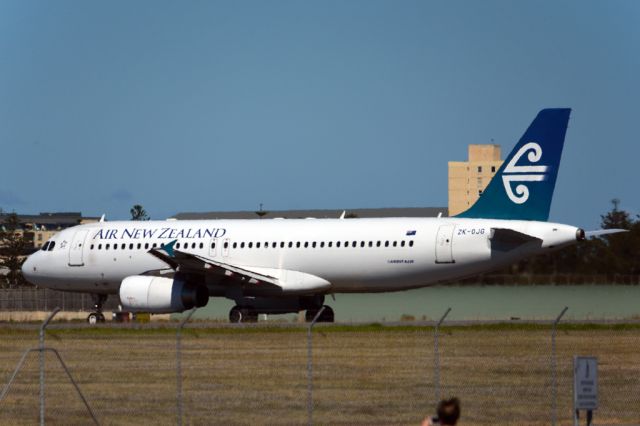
{"points": [[261, 213], [13, 247], [139, 213]]}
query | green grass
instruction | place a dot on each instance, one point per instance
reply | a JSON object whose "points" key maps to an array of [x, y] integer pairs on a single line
{"points": [[363, 374]]}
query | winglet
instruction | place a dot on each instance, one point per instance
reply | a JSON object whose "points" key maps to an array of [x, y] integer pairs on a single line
{"points": [[169, 248]]}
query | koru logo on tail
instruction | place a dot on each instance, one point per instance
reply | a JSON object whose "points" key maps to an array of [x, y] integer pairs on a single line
{"points": [[515, 173]]}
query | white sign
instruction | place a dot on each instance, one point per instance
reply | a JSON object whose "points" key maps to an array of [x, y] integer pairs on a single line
{"points": [[585, 383]]}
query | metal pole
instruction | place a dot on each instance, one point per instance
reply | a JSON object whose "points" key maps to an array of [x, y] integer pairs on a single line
{"points": [[310, 369], [554, 372], [436, 355], [42, 330], [179, 364]]}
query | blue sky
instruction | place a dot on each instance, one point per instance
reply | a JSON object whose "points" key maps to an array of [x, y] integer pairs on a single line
{"points": [[205, 105]]}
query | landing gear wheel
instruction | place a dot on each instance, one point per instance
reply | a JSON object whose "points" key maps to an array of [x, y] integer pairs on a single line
{"points": [[95, 317], [238, 314], [326, 316], [235, 314]]}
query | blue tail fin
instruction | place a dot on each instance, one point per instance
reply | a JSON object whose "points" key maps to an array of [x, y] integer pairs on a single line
{"points": [[523, 187]]}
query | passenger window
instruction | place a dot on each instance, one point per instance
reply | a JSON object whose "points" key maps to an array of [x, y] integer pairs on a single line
{"points": [[306, 244], [161, 245], [395, 243], [378, 244], [290, 244], [213, 245], [226, 245], [146, 246], [242, 245], [361, 243], [131, 246], [313, 245], [402, 243], [258, 244], [250, 245], [99, 246], [115, 247], [273, 245], [370, 243], [154, 245], [411, 243], [201, 245], [298, 244], [355, 243], [106, 247], [177, 245], [338, 244], [386, 243], [139, 246]]}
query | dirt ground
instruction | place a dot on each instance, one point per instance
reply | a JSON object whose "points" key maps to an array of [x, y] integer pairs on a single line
{"points": [[362, 375]]}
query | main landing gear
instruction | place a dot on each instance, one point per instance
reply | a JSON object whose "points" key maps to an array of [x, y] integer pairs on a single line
{"points": [[326, 316], [244, 315], [97, 316], [238, 314]]}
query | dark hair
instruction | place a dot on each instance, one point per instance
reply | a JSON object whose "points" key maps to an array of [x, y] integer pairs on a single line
{"points": [[449, 411]]}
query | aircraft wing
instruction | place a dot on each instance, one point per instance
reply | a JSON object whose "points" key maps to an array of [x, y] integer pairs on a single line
{"points": [[285, 280], [186, 262]]}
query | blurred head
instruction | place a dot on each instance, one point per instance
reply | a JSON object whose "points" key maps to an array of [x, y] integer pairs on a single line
{"points": [[449, 411]]}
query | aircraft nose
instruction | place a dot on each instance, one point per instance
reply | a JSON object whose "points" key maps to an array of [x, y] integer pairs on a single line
{"points": [[29, 268]]}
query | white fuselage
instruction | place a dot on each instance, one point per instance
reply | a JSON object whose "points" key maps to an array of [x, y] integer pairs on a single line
{"points": [[353, 255]]}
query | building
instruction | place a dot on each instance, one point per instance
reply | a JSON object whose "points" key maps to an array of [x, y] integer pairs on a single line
{"points": [[37, 229], [301, 214], [467, 179]]}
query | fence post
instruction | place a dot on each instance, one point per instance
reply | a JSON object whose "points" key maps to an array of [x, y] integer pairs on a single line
{"points": [[179, 364], [436, 355], [310, 368], [42, 330], [554, 368]]}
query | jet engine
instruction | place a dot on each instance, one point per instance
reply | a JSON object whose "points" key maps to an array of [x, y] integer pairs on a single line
{"points": [[159, 295]]}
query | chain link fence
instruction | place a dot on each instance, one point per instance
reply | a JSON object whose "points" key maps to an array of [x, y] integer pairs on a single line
{"points": [[28, 299], [360, 374]]}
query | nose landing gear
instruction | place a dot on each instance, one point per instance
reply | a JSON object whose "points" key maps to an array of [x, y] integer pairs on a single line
{"points": [[97, 316]]}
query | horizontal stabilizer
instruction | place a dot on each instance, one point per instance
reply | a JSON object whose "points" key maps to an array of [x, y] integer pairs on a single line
{"points": [[601, 232], [505, 239]]}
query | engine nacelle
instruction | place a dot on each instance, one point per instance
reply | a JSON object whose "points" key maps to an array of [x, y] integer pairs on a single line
{"points": [[158, 295]]}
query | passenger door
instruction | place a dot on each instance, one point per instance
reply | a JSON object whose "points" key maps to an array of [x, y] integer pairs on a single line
{"points": [[77, 247], [444, 244]]}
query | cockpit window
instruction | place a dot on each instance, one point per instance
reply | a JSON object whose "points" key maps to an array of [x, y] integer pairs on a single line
{"points": [[52, 244], [46, 246]]}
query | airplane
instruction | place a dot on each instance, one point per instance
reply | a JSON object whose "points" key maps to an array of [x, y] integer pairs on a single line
{"points": [[278, 266]]}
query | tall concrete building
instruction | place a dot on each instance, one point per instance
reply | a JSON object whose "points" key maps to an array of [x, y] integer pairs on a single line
{"points": [[467, 179]]}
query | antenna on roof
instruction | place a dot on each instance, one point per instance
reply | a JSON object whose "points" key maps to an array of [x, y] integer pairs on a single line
{"points": [[344, 213], [102, 217]]}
